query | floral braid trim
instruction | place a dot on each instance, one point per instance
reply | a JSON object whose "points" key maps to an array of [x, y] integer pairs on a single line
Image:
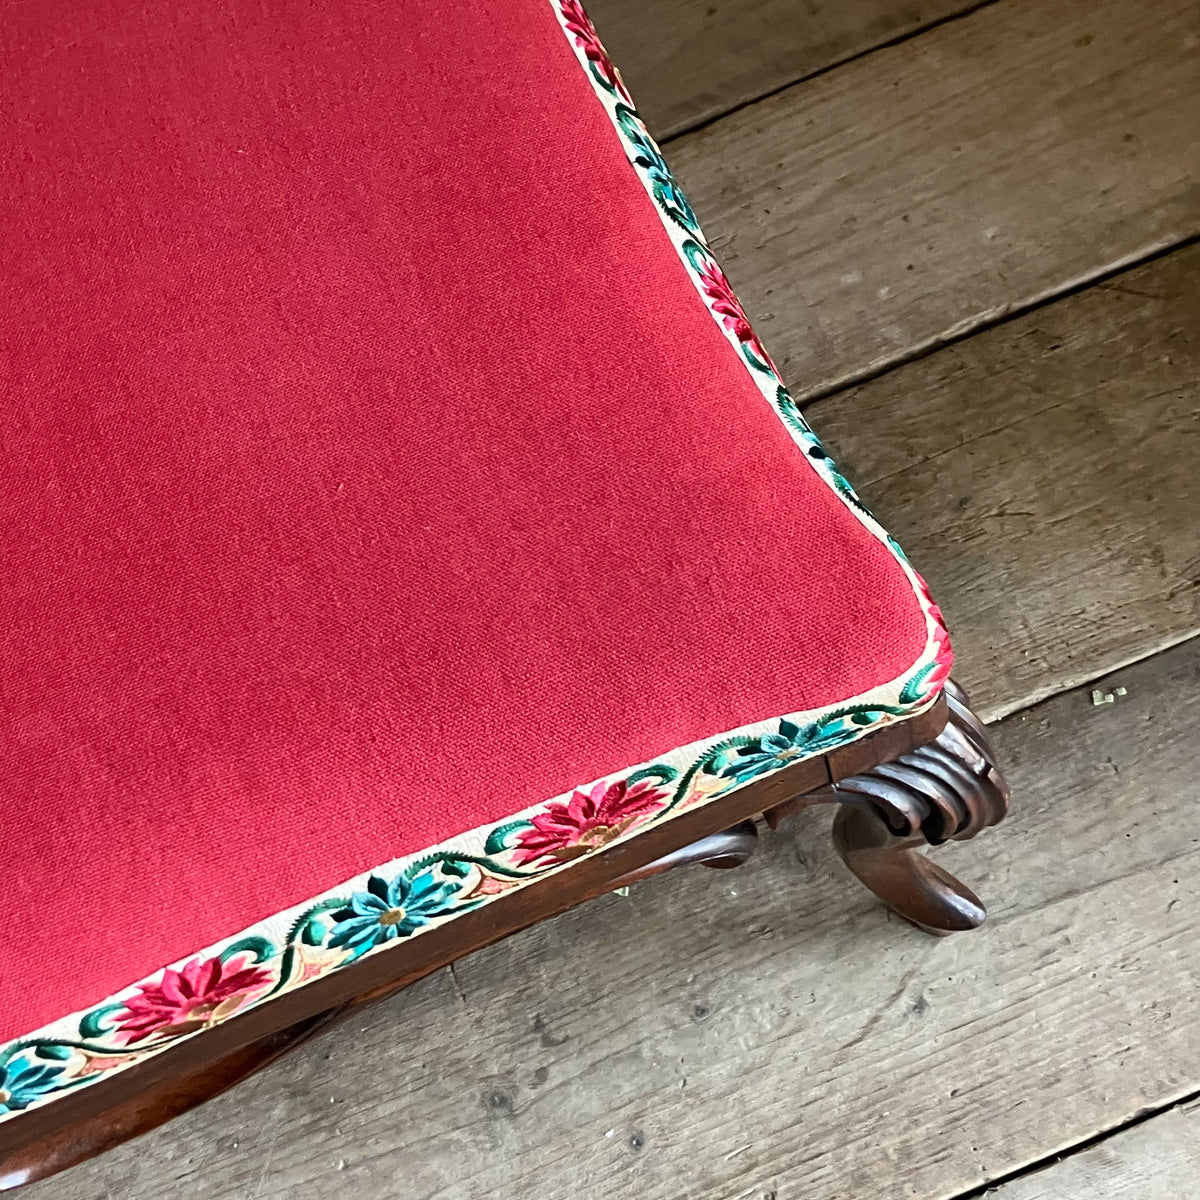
{"points": [[385, 907], [684, 230], [406, 897]]}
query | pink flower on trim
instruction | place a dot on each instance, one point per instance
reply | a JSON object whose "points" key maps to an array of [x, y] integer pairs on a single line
{"points": [[587, 821], [182, 1001], [725, 304], [944, 656], [588, 39]]}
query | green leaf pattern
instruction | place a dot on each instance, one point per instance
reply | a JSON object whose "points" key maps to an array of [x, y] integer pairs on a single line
{"points": [[482, 866]]}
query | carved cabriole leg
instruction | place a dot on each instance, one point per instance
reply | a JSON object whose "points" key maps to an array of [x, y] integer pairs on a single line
{"points": [[947, 789]]}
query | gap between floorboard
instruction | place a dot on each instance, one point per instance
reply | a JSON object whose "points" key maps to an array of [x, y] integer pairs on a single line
{"points": [[1049, 1160], [991, 714], [805, 77], [1148, 1114], [996, 317]]}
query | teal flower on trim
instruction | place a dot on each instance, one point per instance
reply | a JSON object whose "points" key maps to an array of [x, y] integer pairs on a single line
{"points": [[773, 751], [22, 1081], [390, 910]]}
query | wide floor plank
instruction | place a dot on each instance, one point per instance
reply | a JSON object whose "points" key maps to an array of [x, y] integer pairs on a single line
{"points": [[771, 1030], [1157, 1160], [943, 182], [1043, 476], [687, 62]]}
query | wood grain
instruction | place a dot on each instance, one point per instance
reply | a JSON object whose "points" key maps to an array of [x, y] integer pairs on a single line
{"points": [[687, 62], [1043, 476], [941, 183], [771, 1030], [1158, 1160]]}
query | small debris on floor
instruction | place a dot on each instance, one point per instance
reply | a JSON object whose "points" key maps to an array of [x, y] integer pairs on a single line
{"points": [[1101, 697]]}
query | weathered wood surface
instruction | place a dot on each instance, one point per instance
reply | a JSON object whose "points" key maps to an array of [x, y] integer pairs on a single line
{"points": [[943, 182], [1045, 476], [1157, 1160], [771, 1030], [687, 61]]}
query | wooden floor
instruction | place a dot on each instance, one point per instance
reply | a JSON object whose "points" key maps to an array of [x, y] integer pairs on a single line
{"points": [[971, 235]]}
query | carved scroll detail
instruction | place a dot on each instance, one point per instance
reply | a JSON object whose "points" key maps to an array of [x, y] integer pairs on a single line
{"points": [[947, 789]]}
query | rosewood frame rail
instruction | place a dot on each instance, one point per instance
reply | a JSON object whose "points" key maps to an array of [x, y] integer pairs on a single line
{"points": [[925, 780]]}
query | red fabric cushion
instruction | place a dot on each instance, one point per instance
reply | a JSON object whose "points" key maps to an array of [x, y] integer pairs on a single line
{"points": [[371, 469]]}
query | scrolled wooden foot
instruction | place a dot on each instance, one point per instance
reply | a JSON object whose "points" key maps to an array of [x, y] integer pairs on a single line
{"points": [[947, 789]]}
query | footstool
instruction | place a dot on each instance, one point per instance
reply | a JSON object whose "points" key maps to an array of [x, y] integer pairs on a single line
{"points": [[406, 538]]}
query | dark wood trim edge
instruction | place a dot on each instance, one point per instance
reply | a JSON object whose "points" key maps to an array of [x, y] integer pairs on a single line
{"points": [[78, 1126]]}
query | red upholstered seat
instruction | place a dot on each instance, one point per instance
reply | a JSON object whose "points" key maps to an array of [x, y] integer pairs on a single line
{"points": [[382, 458]]}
